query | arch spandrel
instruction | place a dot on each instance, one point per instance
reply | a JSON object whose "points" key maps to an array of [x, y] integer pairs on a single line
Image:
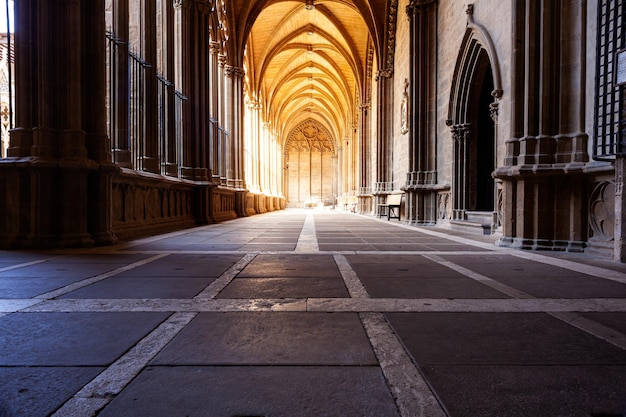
{"points": [[310, 136]]}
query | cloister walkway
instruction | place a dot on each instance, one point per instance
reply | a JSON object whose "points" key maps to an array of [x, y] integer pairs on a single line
{"points": [[311, 313]]}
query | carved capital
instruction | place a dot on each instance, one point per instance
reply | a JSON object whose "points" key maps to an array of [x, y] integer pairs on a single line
{"points": [[494, 111], [416, 6], [214, 47], [386, 73], [231, 71], [460, 132]]}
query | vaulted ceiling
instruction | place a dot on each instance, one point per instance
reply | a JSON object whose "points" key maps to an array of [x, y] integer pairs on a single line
{"points": [[309, 59]]}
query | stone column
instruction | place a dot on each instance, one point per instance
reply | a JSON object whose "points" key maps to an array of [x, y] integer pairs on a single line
{"points": [[364, 159], [224, 95], [234, 93], [121, 150], [183, 79], [214, 133], [151, 161], [56, 182], [422, 106]]}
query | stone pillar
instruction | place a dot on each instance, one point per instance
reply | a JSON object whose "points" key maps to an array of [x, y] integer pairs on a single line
{"points": [[214, 134], [421, 181], [121, 149], [170, 159], [546, 157], [234, 101], [183, 79], [55, 185], [151, 161], [385, 123], [364, 159], [224, 94]]}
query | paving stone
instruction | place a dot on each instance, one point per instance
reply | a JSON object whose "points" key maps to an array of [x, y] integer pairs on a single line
{"points": [[522, 391], [142, 287], [502, 338], [275, 338], [337, 247], [291, 266], [27, 287], [616, 321], [541, 280], [386, 286], [60, 270], [184, 265], [71, 339], [255, 391], [285, 288], [266, 247], [34, 391]]}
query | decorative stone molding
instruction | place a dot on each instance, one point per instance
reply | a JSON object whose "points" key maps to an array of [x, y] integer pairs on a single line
{"points": [[231, 71], [404, 109], [602, 209], [444, 206], [415, 5], [392, 18], [310, 136], [384, 74]]}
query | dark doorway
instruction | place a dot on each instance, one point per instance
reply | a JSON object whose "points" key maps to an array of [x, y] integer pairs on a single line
{"points": [[482, 140]]}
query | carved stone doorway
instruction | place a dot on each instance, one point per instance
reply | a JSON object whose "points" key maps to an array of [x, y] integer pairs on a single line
{"points": [[473, 114]]}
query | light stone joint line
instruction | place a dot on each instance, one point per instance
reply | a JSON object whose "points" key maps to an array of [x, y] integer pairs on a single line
{"points": [[532, 256], [214, 288], [110, 382], [498, 286], [412, 395], [25, 264], [574, 266], [353, 283], [307, 242], [589, 326], [594, 328], [80, 284], [330, 305]]}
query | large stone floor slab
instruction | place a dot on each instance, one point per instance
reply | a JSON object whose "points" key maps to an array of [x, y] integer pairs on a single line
{"points": [[291, 266], [523, 391], [184, 265], [27, 287], [325, 287], [541, 280], [297, 328], [255, 391], [500, 339], [270, 339], [142, 287], [71, 339], [38, 391]]}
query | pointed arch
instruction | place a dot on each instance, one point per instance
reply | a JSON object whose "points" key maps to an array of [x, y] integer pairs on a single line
{"points": [[472, 117]]}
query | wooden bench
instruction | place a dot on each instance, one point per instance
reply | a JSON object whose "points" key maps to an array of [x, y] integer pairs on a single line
{"points": [[391, 208]]}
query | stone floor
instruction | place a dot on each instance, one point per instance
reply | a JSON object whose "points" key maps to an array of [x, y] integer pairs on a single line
{"points": [[311, 313]]}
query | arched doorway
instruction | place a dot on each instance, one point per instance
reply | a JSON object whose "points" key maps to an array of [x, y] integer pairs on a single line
{"points": [[476, 90], [311, 166], [481, 153]]}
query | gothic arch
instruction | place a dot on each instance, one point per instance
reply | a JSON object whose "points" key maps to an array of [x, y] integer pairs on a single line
{"points": [[476, 41], [472, 117], [310, 163]]}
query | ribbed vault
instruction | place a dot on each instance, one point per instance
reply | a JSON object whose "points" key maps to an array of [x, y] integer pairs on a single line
{"points": [[307, 60]]}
